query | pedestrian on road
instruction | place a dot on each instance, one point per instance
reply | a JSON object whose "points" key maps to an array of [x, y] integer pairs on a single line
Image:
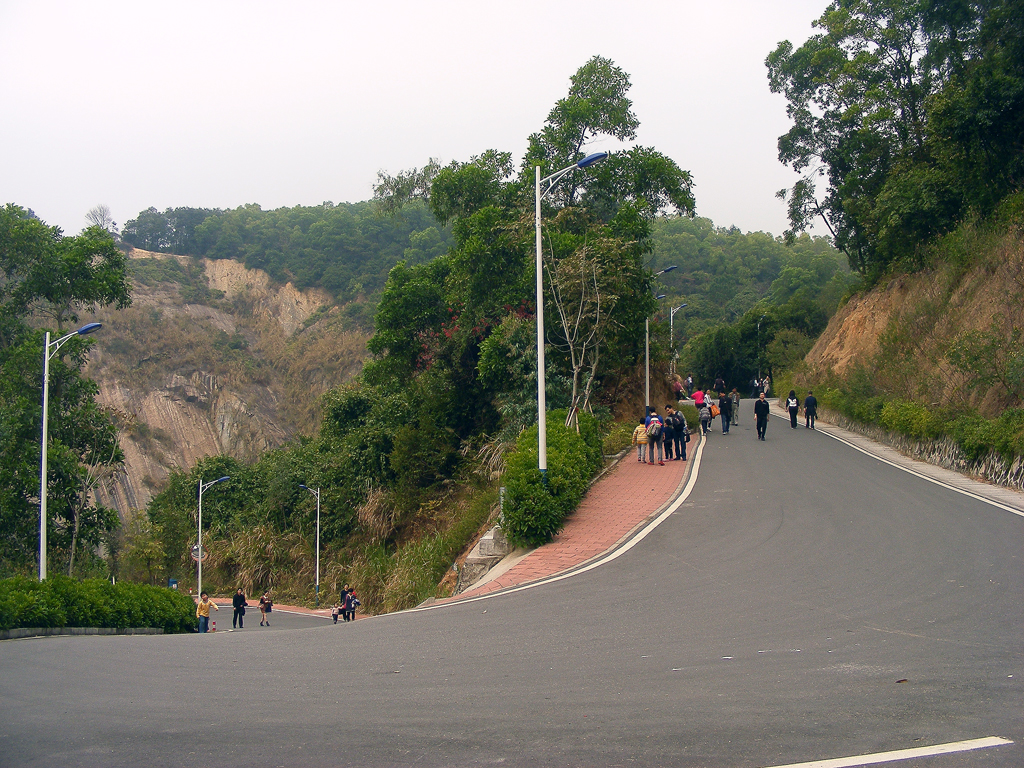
{"points": [[761, 415], [266, 606], [725, 409], [238, 603], [705, 418], [735, 397], [655, 426], [810, 409], [335, 611], [346, 601], [698, 399], [640, 441], [719, 384], [793, 404], [203, 612]]}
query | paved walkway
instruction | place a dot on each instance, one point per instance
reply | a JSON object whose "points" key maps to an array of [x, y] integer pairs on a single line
{"points": [[619, 503]]}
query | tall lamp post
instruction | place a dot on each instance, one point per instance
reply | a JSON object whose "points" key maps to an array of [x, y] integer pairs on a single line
{"points": [[647, 347], [199, 555], [671, 334], [49, 350], [542, 422], [317, 494]]}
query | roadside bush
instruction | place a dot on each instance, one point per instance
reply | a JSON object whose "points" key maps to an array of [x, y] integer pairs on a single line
{"points": [[692, 416], [63, 602], [619, 437], [908, 418], [535, 511]]}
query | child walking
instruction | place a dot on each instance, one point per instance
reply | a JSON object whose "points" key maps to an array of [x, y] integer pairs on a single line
{"points": [[640, 441]]}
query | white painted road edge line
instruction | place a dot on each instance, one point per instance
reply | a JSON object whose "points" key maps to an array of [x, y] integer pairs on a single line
{"points": [[921, 475], [694, 471], [902, 754]]}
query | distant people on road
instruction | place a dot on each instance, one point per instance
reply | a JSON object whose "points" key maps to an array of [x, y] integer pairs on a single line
{"points": [[725, 409], [698, 398], [793, 404], [755, 387], [348, 608], [266, 606], [719, 384], [735, 397], [689, 385], [677, 387], [238, 603], [761, 416], [640, 441], [766, 386], [335, 611], [810, 409], [203, 611]]}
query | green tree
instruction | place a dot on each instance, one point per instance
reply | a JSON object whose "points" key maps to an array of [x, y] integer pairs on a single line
{"points": [[48, 276]]}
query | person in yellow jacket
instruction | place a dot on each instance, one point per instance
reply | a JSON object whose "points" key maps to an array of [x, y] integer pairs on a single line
{"points": [[640, 441], [203, 611]]}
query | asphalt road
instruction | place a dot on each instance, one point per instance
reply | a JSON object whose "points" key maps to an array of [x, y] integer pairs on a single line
{"points": [[806, 602]]}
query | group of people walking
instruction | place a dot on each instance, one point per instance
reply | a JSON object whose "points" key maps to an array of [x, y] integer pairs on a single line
{"points": [[346, 606], [662, 437], [239, 604]]}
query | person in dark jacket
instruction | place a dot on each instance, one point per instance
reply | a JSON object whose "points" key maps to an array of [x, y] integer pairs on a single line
{"points": [[668, 432], [725, 410], [680, 432], [793, 405], [761, 415], [238, 602], [810, 409]]}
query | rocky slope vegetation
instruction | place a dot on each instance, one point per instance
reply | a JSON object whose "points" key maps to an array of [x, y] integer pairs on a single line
{"points": [[213, 358], [905, 333]]}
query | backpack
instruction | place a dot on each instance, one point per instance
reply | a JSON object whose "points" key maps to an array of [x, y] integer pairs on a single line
{"points": [[654, 428]]}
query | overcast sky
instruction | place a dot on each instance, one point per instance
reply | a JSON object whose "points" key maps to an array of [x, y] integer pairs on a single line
{"points": [[217, 104]]}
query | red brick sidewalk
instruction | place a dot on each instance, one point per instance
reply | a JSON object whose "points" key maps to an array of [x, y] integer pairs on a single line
{"points": [[617, 504]]}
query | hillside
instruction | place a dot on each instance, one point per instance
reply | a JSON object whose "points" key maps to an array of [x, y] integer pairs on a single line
{"points": [[213, 358], [905, 335]]}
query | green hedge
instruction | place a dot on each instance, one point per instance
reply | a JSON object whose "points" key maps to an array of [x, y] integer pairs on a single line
{"points": [[62, 602], [534, 511], [975, 435]]}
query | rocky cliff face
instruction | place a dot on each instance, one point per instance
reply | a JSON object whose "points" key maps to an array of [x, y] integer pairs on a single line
{"points": [[182, 410]]}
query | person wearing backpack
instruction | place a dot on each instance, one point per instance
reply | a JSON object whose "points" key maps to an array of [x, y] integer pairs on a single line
{"points": [[793, 404], [725, 408], [680, 432], [654, 435], [668, 432], [705, 419]]}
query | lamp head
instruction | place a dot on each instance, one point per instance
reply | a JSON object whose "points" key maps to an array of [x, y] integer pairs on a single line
{"points": [[591, 159], [89, 328]]}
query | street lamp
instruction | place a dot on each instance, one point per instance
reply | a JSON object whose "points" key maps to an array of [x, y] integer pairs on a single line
{"points": [[542, 424], [759, 348], [49, 351], [317, 494], [647, 346], [671, 335], [199, 555]]}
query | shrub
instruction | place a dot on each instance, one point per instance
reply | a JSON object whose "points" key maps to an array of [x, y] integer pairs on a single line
{"points": [[63, 602], [908, 418], [535, 509], [619, 437]]}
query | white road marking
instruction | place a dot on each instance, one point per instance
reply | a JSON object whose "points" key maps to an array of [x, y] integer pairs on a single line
{"points": [[923, 476], [606, 559], [902, 754]]}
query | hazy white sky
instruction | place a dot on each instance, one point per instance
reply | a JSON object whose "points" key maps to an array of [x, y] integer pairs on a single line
{"points": [[218, 104]]}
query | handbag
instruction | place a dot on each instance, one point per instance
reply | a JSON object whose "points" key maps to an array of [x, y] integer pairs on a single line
{"points": [[714, 411]]}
